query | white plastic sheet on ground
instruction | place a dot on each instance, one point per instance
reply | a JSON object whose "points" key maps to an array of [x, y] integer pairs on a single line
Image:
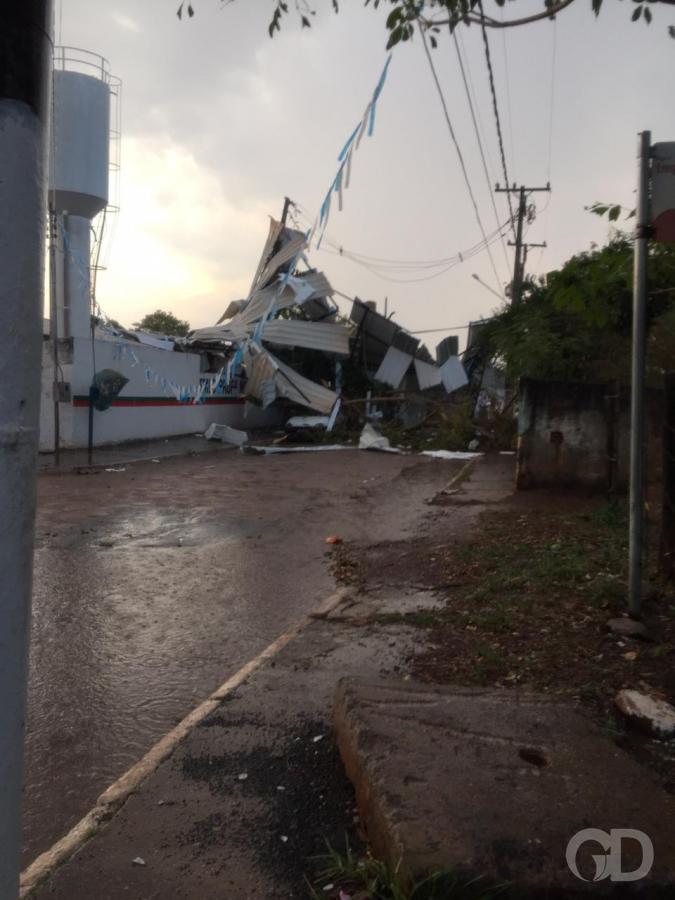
{"points": [[315, 448], [307, 422], [450, 454], [226, 434], [371, 439]]}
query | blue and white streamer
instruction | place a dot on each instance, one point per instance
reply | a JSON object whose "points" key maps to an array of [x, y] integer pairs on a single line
{"points": [[341, 181]]}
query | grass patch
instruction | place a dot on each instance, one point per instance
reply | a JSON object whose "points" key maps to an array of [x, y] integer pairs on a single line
{"points": [[528, 598], [367, 878]]}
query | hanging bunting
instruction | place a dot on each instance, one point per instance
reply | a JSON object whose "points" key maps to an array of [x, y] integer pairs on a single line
{"points": [[365, 126]]}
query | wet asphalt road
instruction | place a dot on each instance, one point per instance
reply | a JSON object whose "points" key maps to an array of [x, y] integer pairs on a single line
{"points": [[154, 584]]}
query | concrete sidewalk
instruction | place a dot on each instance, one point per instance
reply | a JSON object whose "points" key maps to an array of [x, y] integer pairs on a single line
{"points": [[130, 452], [254, 791]]}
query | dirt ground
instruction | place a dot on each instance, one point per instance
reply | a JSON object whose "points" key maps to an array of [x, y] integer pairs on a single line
{"points": [[524, 601]]}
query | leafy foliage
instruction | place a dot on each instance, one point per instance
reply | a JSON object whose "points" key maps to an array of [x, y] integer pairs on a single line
{"points": [[163, 323], [575, 324], [611, 210], [405, 14]]}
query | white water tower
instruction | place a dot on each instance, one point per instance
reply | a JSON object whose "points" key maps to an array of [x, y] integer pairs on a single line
{"points": [[79, 187]]}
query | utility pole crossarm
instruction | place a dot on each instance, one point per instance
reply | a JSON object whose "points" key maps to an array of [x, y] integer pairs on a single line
{"points": [[519, 244]]}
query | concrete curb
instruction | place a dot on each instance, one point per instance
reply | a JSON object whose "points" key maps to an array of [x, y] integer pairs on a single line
{"points": [[86, 469], [463, 473], [114, 797]]}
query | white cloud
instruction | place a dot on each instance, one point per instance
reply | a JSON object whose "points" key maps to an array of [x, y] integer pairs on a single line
{"points": [[126, 22], [180, 243]]}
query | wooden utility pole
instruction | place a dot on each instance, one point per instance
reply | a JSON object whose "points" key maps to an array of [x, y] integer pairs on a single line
{"points": [[521, 248]]}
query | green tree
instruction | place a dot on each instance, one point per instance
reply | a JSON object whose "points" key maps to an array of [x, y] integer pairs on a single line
{"points": [[163, 323], [575, 324], [433, 15]]}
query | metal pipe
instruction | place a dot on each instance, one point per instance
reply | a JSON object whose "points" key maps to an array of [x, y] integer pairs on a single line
{"points": [[636, 504], [25, 81], [54, 333]]}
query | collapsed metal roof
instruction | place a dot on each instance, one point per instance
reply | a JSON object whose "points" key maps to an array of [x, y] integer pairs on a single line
{"points": [[284, 308]]}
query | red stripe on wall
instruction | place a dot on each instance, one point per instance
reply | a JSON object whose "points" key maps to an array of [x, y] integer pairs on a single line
{"points": [[161, 401]]}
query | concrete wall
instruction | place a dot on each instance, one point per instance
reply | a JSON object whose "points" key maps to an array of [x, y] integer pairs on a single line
{"points": [[143, 409], [573, 434]]}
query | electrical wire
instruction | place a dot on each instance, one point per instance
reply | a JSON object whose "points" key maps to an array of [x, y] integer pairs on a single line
{"points": [[550, 134], [459, 154], [495, 107], [488, 180], [385, 277], [385, 263], [507, 81], [436, 330]]}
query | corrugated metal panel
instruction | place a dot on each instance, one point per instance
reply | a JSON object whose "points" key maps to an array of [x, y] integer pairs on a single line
{"points": [[453, 374], [405, 342], [301, 390], [321, 286], [262, 367], [275, 230], [319, 309], [285, 255], [324, 336], [234, 307], [428, 375], [384, 332], [260, 372], [393, 367], [373, 323], [216, 334], [449, 346]]}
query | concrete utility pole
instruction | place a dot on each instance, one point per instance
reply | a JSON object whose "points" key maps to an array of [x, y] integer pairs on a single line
{"points": [[637, 395], [521, 248], [25, 87]]}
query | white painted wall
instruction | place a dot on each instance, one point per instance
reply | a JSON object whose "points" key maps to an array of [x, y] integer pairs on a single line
{"points": [[129, 423]]}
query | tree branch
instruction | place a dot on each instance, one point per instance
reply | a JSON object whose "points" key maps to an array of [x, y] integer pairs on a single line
{"points": [[496, 23]]}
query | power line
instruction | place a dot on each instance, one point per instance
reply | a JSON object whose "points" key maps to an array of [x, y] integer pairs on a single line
{"points": [[478, 138], [507, 80], [384, 263], [495, 107], [376, 264], [481, 126], [550, 135], [457, 261], [459, 153], [436, 330], [552, 101]]}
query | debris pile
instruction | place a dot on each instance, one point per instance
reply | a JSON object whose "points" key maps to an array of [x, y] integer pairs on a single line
{"points": [[287, 342]]}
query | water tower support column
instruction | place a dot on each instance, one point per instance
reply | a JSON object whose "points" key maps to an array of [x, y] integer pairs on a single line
{"points": [[76, 277]]}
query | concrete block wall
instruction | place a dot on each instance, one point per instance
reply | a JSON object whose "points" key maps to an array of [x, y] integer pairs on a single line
{"points": [[578, 435]]}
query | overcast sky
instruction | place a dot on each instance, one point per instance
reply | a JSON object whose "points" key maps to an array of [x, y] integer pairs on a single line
{"points": [[220, 122]]}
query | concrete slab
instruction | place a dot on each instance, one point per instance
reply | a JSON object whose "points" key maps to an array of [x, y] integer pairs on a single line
{"points": [[497, 786]]}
